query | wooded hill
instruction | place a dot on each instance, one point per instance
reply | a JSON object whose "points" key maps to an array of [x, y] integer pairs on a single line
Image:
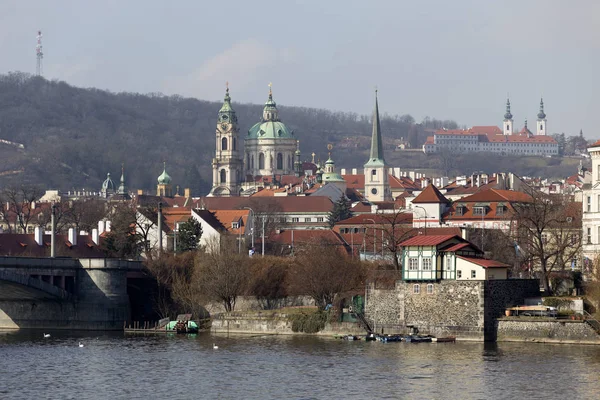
{"points": [[72, 136]]}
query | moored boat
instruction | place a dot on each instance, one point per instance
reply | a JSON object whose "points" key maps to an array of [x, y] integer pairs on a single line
{"points": [[444, 339]]}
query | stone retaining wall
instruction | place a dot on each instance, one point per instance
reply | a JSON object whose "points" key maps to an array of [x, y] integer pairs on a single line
{"points": [[557, 331], [272, 323]]}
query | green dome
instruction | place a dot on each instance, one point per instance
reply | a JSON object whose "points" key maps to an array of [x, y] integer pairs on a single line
{"points": [[164, 178], [270, 130], [332, 177], [108, 184]]}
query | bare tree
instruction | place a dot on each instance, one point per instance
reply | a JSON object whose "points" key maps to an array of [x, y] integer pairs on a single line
{"points": [[19, 200], [83, 215], [389, 230], [548, 231], [222, 273], [323, 270]]}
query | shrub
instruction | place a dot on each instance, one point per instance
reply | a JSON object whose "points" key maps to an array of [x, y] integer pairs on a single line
{"points": [[309, 323]]}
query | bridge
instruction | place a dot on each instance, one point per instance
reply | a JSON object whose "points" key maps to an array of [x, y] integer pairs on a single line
{"points": [[65, 293]]}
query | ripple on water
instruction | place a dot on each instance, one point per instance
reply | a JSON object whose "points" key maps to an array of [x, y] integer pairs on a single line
{"points": [[118, 366]]}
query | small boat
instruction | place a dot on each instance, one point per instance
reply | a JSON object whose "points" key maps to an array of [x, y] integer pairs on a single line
{"points": [[371, 337], [417, 339], [349, 337], [444, 339], [391, 338]]}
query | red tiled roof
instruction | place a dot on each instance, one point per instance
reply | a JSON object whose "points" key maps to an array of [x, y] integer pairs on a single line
{"points": [[485, 263], [369, 219], [427, 240], [457, 247], [24, 245], [308, 236], [431, 194], [358, 182], [492, 195]]}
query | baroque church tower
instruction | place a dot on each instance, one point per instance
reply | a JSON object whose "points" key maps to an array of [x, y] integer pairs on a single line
{"points": [[377, 185], [227, 164], [508, 127], [541, 120]]}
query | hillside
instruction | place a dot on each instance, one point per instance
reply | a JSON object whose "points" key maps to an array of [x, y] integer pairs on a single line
{"points": [[73, 136]]}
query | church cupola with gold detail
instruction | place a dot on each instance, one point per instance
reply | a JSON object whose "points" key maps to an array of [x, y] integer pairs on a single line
{"points": [[164, 187]]}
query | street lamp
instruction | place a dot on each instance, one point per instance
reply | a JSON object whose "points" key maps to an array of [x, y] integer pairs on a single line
{"points": [[425, 211]]}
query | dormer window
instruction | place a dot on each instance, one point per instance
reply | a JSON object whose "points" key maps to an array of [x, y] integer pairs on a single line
{"points": [[479, 210], [460, 210], [235, 225]]}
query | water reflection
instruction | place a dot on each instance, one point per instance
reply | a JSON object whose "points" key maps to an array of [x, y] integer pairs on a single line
{"points": [[118, 366]]}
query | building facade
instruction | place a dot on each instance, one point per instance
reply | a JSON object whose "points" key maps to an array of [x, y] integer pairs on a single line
{"points": [[591, 207]]}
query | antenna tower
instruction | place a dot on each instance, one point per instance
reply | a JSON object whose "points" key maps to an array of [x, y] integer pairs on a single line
{"points": [[39, 68]]}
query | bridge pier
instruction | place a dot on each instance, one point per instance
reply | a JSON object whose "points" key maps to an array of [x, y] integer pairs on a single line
{"points": [[64, 293]]}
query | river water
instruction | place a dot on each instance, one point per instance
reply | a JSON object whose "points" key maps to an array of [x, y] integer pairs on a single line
{"points": [[120, 366]]}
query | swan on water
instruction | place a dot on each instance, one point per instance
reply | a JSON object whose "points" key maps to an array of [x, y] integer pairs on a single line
{"points": [[215, 347], [46, 335], [80, 344]]}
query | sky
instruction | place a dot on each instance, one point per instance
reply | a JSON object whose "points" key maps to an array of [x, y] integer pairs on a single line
{"points": [[445, 59]]}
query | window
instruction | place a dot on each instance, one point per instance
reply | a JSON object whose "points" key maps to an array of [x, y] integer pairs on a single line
{"points": [[430, 288], [589, 235], [459, 274], [413, 264], [307, 219], [473, 274], [320, 219], [235, 225], [427, 264], [500, 210], [448, 263], [295, 219], [279, 161], [234, 144], [416, 289], [282, 220], [589, 202], [261, 161], [224, 143], [373, 175], [479, 210], [223, 176], [460, 210], [544, 238], [574, 238], [252, 161]]}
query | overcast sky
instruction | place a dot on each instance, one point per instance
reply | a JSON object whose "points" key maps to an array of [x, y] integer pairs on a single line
{"points": [[445, 59]]}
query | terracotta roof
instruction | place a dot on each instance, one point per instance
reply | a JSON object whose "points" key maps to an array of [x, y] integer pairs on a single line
{"points": [[358, 182], [491, 195], [485, 263], [494, 134], [307, 236], [457, 247], [222, 220], [286, 204], [595, 144], [428, 240], [362, 206], [431, 194], [24, 245], [269, 192], [367, 219]]}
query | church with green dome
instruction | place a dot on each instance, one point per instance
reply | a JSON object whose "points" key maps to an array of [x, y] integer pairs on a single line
{"points": [[270, 146], [270, 149]]}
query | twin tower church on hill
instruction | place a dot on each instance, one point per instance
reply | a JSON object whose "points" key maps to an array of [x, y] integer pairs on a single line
{"points": [[271, 152]]}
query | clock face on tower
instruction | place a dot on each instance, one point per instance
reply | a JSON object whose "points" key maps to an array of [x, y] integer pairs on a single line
{"points": [[224, 127]]}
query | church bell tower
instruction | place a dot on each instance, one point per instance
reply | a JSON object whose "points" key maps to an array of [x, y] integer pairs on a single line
{"points": [[227, 164]]}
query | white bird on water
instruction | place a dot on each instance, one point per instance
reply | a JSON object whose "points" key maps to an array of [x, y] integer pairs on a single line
{"points": [[46, 335], [80, 344], [215, 347]]}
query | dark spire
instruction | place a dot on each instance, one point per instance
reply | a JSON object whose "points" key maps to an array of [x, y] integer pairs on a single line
{"points": [[508, 115], [376, 140], [541, 114]]}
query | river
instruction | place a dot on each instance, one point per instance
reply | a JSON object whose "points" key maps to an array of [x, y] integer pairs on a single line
{"points": [[120, 366]]}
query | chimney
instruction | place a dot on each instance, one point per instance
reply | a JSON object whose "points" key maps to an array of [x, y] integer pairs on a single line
{"points": [[73, 236], [100, 227], [140, 192], [53, 232], [107, 226], [342, 171], [464, 233], [187, 193], [38, 235], [95, 236], [33, 205], [354, 171]]}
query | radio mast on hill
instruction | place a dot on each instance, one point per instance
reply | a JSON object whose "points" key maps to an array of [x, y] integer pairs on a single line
{"points": [[39, 69]]}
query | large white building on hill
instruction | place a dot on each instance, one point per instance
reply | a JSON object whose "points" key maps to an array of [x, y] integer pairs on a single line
{"points": [[492, 139]]}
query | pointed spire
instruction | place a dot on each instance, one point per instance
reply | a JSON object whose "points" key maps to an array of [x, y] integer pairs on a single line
{"points": [[508, 115], [122, 188], [525, 124], [376, 140], [226, 107], [541, 114]]}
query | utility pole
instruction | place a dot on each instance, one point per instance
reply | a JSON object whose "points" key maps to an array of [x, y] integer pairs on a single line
{"points": [[263, 235]]}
